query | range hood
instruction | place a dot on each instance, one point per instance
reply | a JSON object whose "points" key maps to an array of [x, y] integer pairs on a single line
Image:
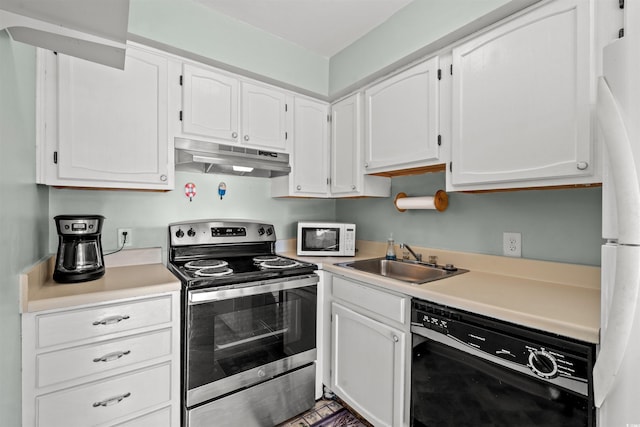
{"points": [[207, 157]]}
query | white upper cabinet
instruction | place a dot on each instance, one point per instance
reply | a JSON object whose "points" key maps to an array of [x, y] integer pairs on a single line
{"points": [[103, 127], [223, 108], [310, 149], [326, 156], [347, 177], [402, 120], [264, 112], [210, 104], [521, 102]]}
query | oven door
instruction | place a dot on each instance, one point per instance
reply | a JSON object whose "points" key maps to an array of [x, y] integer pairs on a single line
{"points": [[238, 337], [451, 387]]}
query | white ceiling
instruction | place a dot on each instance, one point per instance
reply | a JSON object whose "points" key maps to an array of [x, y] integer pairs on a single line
{"points": [[321, 26]]}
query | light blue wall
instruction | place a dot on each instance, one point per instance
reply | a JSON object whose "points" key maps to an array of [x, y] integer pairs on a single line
{"points": [[188, 25], [149, 213], [556, 225], [419, 24], [23, 210]]}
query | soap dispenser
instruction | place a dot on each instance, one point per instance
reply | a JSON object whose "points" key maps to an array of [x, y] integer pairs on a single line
{"points": [[391, 250]]}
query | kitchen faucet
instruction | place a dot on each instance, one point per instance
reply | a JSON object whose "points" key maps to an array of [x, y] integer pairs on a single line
{"points": [[418, 257]]}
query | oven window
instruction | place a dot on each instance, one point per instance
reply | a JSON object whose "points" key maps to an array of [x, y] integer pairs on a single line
{"points": [[321, 239], [452, 388], [231, 336]]}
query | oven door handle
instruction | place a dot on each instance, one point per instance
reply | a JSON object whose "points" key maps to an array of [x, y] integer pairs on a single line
{"points": [[254, 288]]}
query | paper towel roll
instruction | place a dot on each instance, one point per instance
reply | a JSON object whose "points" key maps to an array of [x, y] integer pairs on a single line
{"points": [[439, 201]]}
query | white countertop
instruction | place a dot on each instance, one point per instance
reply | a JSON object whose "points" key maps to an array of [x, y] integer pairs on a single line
{"points": [[133, 273], [559, 298]]}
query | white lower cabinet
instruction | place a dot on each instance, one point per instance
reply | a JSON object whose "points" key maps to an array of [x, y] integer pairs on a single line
{"points": [[106, 364], [370, 350]]}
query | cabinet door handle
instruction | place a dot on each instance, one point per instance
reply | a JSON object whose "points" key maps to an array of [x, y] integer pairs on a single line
{"points": [[110, 320], [111, 400], [111, 356], [582, 165], [246, 137], [298, 187], [163, 178], [234, 135], [395, 338], [353, 187]]}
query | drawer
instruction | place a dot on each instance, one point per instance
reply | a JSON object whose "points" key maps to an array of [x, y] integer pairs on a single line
{"points": [[161, 418], [101, 402], [77, 362], [74, 325], [390, 306]]}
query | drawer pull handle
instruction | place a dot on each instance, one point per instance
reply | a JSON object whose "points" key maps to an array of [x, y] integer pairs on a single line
{"points": [[110, 320], [111, 356], [111, 401]]}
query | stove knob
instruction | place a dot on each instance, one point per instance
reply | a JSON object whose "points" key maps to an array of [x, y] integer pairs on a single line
{"points": [[191, 233], [179, 233], [543, 364], [261, 231], [269, 231]]}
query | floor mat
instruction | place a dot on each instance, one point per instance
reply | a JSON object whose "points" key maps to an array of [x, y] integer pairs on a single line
{"points": [[326, 413]]}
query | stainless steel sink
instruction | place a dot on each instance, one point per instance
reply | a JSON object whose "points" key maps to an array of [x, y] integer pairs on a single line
{"points": [[407, 271]]}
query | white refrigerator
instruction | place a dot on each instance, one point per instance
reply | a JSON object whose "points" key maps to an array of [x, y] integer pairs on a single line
{"points": [[616, 374]]}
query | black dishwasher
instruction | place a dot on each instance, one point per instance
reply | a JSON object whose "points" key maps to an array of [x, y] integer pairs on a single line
{"points": [[475, 371]]}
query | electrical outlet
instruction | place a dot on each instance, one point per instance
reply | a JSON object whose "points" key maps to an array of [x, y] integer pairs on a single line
{"points": [[512, 244], [121, 238]]}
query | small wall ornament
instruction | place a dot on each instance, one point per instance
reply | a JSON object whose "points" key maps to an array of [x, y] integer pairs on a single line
{"points": [[222, 190], [190, 190]]}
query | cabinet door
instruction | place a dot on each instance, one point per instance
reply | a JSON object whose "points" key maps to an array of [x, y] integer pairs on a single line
{"points": [[209, 104], [346, 143], [113, 123], [402, 120], [264, 113], [367, 366], [310, 148], [521, 99]]}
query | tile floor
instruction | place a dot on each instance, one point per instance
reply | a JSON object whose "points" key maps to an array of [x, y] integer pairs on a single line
{"points": [[327, 413]]}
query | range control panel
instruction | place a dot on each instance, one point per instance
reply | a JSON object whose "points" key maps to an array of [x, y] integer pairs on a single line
{"points": [[214, 232], [544, 355]]}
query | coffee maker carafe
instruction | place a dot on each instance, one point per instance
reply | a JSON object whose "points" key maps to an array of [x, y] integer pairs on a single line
{"points": [[79, 257]]}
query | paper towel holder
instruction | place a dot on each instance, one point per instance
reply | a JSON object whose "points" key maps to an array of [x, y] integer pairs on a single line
{"points": [[439, 201]]}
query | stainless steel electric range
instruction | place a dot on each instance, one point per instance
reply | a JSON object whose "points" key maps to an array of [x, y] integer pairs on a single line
{"points": [[249, 324]]}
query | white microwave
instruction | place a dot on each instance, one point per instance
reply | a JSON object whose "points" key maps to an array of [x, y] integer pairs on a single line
{"points": [[326, 239]]}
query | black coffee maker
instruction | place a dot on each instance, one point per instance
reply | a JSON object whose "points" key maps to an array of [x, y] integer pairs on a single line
{"points": [[79, 257]]}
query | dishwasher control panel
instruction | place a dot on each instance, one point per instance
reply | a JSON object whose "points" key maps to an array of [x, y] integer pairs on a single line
{"points": [[546, 355]]}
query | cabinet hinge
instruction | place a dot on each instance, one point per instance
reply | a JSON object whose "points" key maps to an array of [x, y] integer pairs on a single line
{"points": [[329, 118], [621, 4], [451, 69], [439, 140], [55, 157], [439, 74], [286, 135], [286, 107], [450, 166], [180, 80], [328, 181], [180, 115], [621, 33]]}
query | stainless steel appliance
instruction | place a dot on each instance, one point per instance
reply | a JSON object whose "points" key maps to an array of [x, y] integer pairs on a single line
{"points": [[249, 324], [471, 370], [79, 257]]}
